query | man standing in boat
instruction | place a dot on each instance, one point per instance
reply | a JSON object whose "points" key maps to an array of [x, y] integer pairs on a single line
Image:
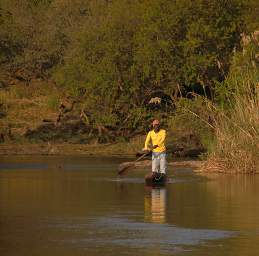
{"points": [[157, 136]]}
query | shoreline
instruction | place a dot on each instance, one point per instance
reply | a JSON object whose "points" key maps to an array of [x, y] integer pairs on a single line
{"points": [[118, 150], [100, 150], [65, 149], [175, 163]]}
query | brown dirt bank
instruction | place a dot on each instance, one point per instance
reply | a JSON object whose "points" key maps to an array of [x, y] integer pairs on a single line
{"points": [[116, 148], [66, 149]]}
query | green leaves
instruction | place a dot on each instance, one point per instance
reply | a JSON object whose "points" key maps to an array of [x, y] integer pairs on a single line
{"points": [[116, 55], [134, 48]]}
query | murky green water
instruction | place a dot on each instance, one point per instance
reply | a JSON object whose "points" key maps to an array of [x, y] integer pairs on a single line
{"points": [[78, 206]]}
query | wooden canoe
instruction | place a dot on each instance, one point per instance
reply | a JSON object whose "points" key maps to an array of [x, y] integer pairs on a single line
{"points": [[155, 179]]}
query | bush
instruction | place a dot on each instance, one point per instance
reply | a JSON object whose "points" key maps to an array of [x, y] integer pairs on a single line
{"points": [[237, 123]]}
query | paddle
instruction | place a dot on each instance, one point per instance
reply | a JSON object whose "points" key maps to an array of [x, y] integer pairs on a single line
{"points": [[125, 166]]}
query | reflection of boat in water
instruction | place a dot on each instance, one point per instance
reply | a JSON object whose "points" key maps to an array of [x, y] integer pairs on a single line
{"points": [[155, 179], [155, 205]]}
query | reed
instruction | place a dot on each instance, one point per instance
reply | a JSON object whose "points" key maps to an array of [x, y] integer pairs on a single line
{"points": [[237, 132]]}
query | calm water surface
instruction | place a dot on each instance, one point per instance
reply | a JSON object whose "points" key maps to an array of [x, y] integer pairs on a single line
{"points": [[78, 206]]}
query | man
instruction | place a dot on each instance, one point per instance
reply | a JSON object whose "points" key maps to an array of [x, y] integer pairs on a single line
{"points": [[157, 136]]}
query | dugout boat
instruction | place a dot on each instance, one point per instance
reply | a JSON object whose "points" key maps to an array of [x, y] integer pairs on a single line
{"points": [[155, 179]]}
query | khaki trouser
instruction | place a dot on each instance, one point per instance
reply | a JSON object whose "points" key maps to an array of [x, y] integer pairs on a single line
{"points": [[159, 162]]}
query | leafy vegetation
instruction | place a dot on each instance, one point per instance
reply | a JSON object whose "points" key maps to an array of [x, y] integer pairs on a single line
{"points": [[237, 121], [120, 63]]}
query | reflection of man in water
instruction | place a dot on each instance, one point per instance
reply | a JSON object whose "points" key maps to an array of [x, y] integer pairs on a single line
{"points": [[155, 205]]}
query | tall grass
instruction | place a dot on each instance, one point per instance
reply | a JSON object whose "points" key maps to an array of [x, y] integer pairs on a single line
{"points": [[233, 117], [236, 117], [237, 132]]}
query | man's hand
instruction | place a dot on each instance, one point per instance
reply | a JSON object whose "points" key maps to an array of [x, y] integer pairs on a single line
{"points": [[155, 146], [146, 150]]}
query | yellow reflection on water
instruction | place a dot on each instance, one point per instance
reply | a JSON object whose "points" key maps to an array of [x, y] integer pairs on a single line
{"points": [[155, 205]]}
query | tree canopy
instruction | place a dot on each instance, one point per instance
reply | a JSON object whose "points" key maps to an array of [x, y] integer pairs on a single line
{"points": [[117, 55]]}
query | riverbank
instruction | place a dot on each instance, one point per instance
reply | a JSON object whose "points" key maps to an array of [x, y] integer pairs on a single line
{"points": [[118, 149], [124, 150], [196, 165]]}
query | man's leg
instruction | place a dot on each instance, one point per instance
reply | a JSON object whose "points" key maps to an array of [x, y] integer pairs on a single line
{"points": [[163, 163], [155, 162]]}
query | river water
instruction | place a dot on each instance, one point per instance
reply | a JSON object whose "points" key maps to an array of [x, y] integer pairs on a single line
{"points": [[78, 206]]}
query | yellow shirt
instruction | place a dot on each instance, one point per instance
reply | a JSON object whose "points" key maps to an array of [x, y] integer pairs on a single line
{"points": [[157, 139]]}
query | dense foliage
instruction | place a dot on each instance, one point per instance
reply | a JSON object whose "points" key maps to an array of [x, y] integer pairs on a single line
{"points": [[125, 61]]}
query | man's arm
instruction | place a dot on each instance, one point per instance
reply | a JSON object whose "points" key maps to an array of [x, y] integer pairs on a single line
{"points": [[147, 141], [161, 140]]}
